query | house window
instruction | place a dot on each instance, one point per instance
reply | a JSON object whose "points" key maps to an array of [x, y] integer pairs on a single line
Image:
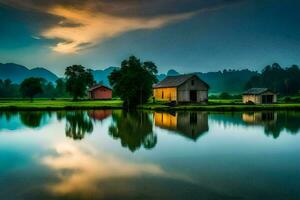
{"points": [[162, 94], [192, 82]]}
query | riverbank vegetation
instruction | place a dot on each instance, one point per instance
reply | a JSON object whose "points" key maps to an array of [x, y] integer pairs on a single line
{"points": [[132, 87]]}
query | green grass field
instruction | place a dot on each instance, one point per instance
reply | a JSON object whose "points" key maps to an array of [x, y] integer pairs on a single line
{"points": [[43, 104], [67, 104], [225, 107]]}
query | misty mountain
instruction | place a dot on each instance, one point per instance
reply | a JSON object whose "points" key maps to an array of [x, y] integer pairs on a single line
{"points": [[232, 81], [171, 72], [102, 75], [17, 73]]}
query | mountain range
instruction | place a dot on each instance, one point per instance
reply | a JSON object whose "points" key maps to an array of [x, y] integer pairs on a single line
{"points": [[17, 73], [232, 81]]}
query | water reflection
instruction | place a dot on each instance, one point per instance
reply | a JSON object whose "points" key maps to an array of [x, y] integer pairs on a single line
{"points": [[31, 119], [134, 129], [274, 122], [188, 124], [86, 170], [46, 163], [99, 115], [78, 124]]}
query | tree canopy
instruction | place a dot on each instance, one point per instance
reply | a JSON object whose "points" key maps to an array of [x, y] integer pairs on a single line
{"points": [[31, 87], [133, 81], [286, 81], [8, 89], [77, 80]]}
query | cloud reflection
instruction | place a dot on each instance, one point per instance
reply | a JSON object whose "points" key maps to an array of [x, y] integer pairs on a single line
{"points": [[88, 167]]}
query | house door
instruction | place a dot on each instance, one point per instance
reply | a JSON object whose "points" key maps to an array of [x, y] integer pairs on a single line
{"points": [[193, 96], [267, 99]]}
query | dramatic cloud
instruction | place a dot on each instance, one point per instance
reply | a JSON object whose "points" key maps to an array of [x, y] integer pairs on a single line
{"points": [[83, 24], [90, 28]]}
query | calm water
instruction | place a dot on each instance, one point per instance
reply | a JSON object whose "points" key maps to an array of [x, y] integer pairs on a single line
{"points": [[108, 154]]}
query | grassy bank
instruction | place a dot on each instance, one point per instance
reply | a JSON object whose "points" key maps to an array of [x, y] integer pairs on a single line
{"points": [[67, 104], [222, 107]]}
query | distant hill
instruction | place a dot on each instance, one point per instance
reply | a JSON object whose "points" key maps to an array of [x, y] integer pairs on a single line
{"points": [[232, 81], [17, 73], [171, 72], [102, 75]]}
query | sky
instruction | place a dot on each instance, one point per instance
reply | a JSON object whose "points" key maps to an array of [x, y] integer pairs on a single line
{"points": [[185, 35]]}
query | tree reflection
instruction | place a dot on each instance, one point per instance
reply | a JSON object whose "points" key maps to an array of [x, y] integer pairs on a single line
{"points": [[77, 124], [31, 119], [8, 115], [134, 129]]}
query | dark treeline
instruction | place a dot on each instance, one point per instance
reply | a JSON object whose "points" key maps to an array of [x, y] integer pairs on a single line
{"points": [[49, 89], [285, 81], [128, 85]]}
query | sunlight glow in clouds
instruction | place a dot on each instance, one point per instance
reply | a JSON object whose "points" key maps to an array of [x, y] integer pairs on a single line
{"points": [[81, 29]]}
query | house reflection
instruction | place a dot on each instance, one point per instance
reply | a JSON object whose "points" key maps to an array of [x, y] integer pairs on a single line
{"points": [[99, 115], [260, 118], [268, 119], [188, 124]]}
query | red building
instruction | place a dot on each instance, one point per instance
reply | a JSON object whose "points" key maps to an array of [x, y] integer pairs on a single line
{"points": [[100, 92]]}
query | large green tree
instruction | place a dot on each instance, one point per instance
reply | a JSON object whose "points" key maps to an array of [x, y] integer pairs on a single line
{"points": [[77, 80], [133, 81], [31, 87]]}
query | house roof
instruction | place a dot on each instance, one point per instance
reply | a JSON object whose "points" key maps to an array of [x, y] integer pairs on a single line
{"points": [[98, 86], [175, 81], [257, 91]]}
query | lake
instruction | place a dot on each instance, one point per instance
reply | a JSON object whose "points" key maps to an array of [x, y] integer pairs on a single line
{"points": [[113, 154]]}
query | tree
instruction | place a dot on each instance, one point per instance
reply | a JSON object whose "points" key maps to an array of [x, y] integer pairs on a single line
{"points": [[77, 80], [31, 87], [60, 88], [133, 81], [225, 95], [283, 80]]}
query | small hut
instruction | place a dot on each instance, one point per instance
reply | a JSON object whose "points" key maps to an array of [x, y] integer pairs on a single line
{"points": [[100, 92], [259, 96], [181, 88]]}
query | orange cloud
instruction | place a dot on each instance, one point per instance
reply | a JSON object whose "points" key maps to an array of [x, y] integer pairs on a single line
{"points": [[80, 29]]}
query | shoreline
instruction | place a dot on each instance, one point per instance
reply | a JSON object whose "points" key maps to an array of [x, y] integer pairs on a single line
{"points": [[48, 105]]}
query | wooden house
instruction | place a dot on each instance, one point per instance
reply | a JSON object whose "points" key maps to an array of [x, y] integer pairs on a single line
{"points": [[259, 96], [100, 92], [181, 88]]}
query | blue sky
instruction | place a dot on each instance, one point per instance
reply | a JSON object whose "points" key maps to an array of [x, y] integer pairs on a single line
{"points": [[185, 35]]}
